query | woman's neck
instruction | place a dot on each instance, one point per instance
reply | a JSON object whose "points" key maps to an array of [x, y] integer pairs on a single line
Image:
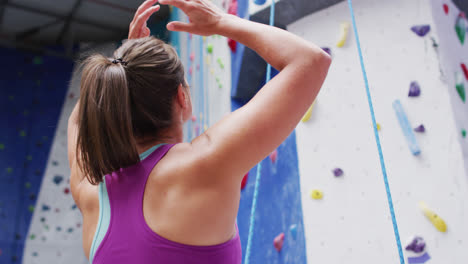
{"points": [[172, 135]]}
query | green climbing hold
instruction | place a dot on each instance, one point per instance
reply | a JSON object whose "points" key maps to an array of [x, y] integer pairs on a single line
{"points": [[460, 28], [29, 157], [2, 146], [463, 133], [38, 60], [31, 208], [460, 86], [9, 170], [46, 227], [209, 48], [22, 133], [11, 97], [220, 62], [27, 185]]}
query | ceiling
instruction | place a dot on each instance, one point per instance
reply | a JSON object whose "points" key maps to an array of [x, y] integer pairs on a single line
{"points": [[35, 24]]}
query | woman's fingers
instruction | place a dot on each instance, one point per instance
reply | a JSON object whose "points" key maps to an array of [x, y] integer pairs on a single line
{"points": [[180, 26], [147, 4], [182, 4], [137, 27]]}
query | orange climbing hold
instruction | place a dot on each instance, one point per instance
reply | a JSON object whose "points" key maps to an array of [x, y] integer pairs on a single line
{"points": [[278, 242]]}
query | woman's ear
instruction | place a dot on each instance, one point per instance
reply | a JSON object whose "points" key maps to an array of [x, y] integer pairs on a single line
{"points": [[182, 98]]}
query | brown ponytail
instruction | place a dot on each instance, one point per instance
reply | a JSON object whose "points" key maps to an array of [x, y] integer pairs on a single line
{"points": [[105, 138], [123, 102]]}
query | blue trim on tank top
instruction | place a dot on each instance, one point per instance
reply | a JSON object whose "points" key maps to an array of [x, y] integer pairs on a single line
{"points": [[104, 209]]}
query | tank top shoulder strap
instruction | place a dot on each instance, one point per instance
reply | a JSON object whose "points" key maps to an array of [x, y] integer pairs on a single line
{"points": [[152, 159]]}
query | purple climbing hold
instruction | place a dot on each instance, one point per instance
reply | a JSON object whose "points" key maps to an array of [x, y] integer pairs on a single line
{"points": [[327, 50], [415, 89], [338, 172], [58, 179], [421, 30], [417, 245], [420, 129]]}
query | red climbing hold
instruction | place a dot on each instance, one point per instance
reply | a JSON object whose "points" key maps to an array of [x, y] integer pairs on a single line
{"points": [[232, 45], [273, 156], [192, 56], [465, 70], [66, 191], [244, 181], [278, 242], [446, 9], [232, 10]]}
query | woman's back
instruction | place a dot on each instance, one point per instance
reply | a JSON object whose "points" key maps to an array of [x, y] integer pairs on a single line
{"points": [[129, 237]]}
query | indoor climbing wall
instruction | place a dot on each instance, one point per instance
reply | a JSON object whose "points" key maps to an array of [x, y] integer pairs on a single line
{"points": [[56, 223], [346, 214], [452, 28], [32, 90]]}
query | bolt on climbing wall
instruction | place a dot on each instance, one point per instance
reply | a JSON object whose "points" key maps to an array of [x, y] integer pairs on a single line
{"points": [[346, 215]]}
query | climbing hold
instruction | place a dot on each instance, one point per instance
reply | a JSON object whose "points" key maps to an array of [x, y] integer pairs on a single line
{"points": [[344, 32], [293, 231], [45, 207], [54, 162], [406, 128], [58, 179], [460, 86], [205, 127], [209, 48], [58, 228], [11, 97], [220, 62], [463, 133], [415, 89], [43, 219], [421, 30], [338, 172], [419, 259], [192, 56], [327, 50], [34, 254], [316, 194], [244, 181], [417, 245], [379, 127], [31, 208], [460, 27], [465, 70], [74, 207], [66, 190], [438, 222], [308, 114], [38, 60], [446, 9], [273, 156], [190, 70], [9, 170], [2, 146], [194, 118], [28, 157], [32, 236], [27, 185], [22, 133], [232, 45], [69, 230], [278, 242], [420, 129]]}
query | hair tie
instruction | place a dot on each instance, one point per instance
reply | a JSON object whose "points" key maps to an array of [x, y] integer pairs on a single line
{"points": [[116, 61]]}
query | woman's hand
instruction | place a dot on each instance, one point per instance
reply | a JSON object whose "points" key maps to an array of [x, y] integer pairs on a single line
{"points": [[138, 26], [204, 16]]}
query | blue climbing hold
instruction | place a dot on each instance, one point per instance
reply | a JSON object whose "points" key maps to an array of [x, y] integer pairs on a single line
{"points": [[259, 2], [45, 207], [293, 231], [58, 179]]}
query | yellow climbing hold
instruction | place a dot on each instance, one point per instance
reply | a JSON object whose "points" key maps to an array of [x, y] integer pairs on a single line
{"points": [[378, 127], [344, 28], [316, 194], [438, 222], [308, 114]]}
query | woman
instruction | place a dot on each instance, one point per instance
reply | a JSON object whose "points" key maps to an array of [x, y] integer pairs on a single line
{"points": [[163, 200]]}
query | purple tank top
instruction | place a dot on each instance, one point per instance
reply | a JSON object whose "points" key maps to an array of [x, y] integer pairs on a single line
{"points": [[130, 240]]}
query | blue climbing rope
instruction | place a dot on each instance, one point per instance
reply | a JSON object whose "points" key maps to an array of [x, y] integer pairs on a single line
{"points": [[377, 139], [259, 166]]}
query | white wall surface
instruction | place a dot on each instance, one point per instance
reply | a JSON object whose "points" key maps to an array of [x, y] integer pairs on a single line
{"points": [[352, 223]]}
